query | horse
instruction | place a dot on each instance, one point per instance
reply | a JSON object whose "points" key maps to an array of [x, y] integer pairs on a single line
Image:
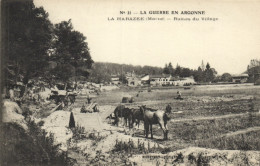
{"points": [[155, 117], [123, 112], [137, 116]]}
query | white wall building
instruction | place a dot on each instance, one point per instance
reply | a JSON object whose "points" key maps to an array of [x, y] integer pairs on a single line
{"points": [[183, 81], [160, 79]]}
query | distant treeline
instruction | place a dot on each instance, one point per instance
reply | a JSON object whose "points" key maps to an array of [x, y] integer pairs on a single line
{"points": [[103, 72], [117, 69]]}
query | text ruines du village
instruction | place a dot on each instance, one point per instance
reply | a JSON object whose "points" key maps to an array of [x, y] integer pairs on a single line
{"points": [[162, 16]]}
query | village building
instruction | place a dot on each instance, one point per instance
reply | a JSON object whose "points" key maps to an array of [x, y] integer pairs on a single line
{"points": [[242, 78], [115, 80], [184, 81], [168, 80], [145, 79], [132, 79], [160, 79]]}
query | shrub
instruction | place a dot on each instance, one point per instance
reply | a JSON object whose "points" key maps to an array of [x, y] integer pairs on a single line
{"points": [[129, 147], [79, 133], [32, 147]]}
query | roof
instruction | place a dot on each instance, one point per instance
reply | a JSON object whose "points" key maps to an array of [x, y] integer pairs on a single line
{"points": [[160, 76], [114, 76], [142, 76], [240, 75], [174, 79]]}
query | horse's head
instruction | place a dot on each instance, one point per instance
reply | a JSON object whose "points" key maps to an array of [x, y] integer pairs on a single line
{"points": [[142, 108], [168, 109]]}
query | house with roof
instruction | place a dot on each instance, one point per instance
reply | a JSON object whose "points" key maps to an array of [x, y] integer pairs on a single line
{"points": [[132, 79], [169, 80], [145, 79], [164, 79], [115, 80], [184, 81], [241, 78]]}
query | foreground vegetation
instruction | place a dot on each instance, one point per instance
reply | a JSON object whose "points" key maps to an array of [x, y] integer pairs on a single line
{"points": [[247, 141], [32, 148], [200, 130]]}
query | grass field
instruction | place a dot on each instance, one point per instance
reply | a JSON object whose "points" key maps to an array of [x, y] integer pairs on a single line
{"points": [[234, 106], [224, 117]]}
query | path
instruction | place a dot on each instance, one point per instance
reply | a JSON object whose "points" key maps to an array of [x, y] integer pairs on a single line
{"points": [[213, 118], [244, 131], [234, 133]]}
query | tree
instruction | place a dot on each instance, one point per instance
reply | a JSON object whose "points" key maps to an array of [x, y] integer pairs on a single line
{"points": [[170, 67], [177, 70], [226, 77], [207, 66], [63, 73], [71, 48], [28, 37], [123, 79], [209, 73], [99, 74], [185, 72], [217, 79], [253, 70], [166, 69], [198, 75]]}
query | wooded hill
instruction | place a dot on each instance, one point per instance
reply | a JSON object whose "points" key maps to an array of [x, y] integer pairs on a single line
{"points": [[102, 71]]}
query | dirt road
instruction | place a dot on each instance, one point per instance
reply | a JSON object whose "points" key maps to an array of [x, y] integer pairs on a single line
{"points": [[244, 131], [212, 117]]}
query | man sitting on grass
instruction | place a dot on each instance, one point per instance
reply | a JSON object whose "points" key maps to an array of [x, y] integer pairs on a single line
{"points": [[179, 95]]}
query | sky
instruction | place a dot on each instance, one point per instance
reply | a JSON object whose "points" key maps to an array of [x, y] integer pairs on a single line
{"points": [[228, 44]]}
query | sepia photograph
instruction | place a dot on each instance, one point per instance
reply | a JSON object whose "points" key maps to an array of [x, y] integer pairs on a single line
{"points": [[121, 82]]}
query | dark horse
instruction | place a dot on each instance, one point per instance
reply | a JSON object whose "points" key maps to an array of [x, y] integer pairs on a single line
{"points": [[123, 112], [137, 116], [155, 117]]}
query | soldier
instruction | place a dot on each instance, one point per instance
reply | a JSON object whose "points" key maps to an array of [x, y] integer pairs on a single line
{"points": [[95, 108], [83, 109], [179, 95]]}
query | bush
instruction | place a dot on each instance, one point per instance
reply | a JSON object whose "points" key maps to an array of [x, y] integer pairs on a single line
{"points": [[129, 147], [32, 147], [78, 133]]}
